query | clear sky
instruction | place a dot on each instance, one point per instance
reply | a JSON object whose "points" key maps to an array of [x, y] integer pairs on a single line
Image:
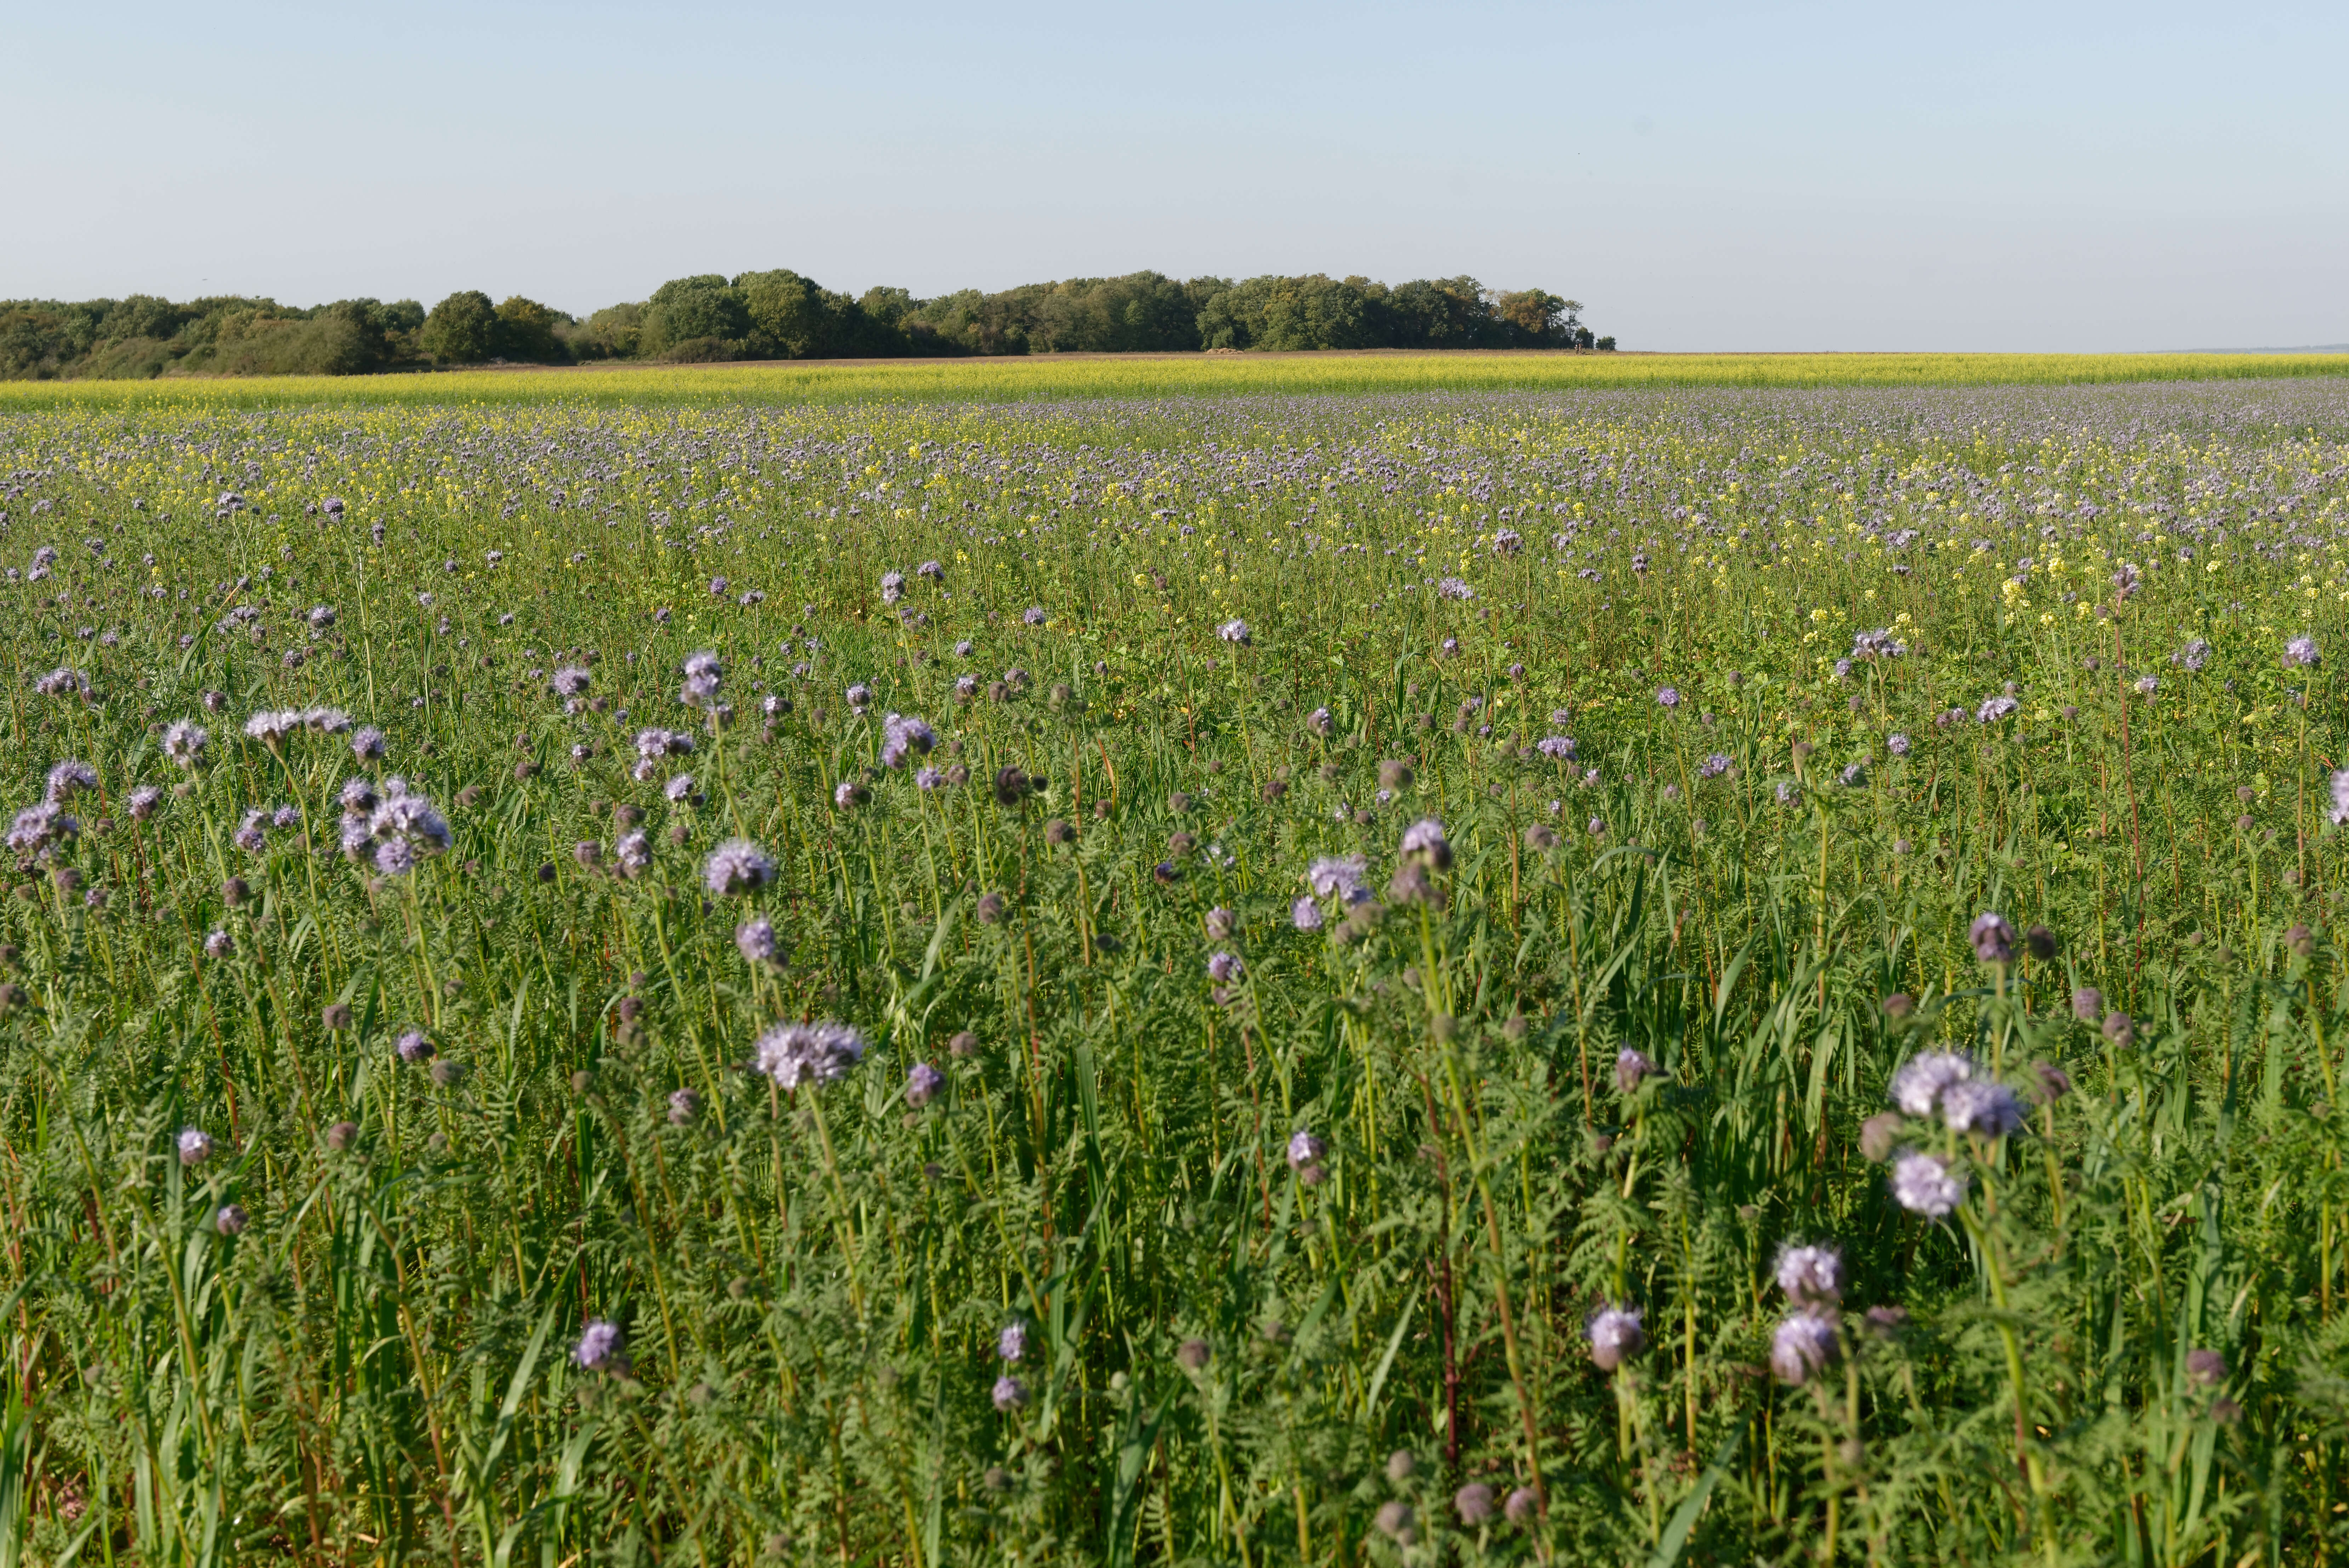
{"points": [[1701, 176]]}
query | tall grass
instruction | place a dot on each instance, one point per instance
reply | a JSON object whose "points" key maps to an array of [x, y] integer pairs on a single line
{"points": [[1616, 1045]]}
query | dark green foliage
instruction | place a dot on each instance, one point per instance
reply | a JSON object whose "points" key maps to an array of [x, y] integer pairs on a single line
{"points": [[779, 315], [463, 329], [144, 336]]}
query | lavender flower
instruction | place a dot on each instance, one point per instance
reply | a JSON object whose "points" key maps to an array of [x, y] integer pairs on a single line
{"points": [[271, 726], [1923, 1184], [599, 1346], [903, 737], [633, 854], [1343, 877], [1918, 1087], [1803, 1346], [68, 779], [796, 1054], [1631, 1069], [1424, 840], [735, 866], [1615, 1336], [756, 939], [184, 741], [1812, 1276], [1982, 1109], [1993, 939]]}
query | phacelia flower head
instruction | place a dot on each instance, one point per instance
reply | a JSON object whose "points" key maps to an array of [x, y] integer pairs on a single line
{"points": [[1341, 877], [755, 939], [1993, 939], [1234, 632], [367, 744], [892, 587], [1995, 708], [1305, 1148], [1922, 1081], [924, 1083], [1803, 1346], [1982, 1107], [1615, 1336], [414, 1048], [184, 741], [796, 1054], [68, 779], [1305, 915], [1923, 1184], [1224, 968], [600, 1347], [1632, 1068], [1008, 1393], [1424, 840], [1011, 1344], [271, 726], [735, 867], [63, 682], [904, 737], [2301, 653], [195, 1146], [1812, 1276]]}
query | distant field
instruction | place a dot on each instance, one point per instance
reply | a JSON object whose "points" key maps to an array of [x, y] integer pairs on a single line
{"points": [[1155, 376]]}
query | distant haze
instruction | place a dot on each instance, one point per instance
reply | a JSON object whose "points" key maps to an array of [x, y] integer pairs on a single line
{"points": [[1793, 176]]}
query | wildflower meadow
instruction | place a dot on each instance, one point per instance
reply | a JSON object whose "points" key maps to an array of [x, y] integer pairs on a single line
{"points": [[1633, 975]]}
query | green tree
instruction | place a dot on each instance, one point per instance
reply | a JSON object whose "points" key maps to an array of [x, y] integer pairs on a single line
{"points": [[463, 329], [699, 318], [526, 331]]}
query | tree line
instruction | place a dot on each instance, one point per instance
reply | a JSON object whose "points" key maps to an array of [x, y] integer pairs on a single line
{"points": [[778, 314]]}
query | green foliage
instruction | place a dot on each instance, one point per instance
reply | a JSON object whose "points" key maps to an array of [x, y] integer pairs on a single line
{"points": [[463, 329], [143, 336], [529, 331], [779, 315]]}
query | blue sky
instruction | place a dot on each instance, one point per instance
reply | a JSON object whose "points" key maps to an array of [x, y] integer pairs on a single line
{"points": [[1807, 176]]}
